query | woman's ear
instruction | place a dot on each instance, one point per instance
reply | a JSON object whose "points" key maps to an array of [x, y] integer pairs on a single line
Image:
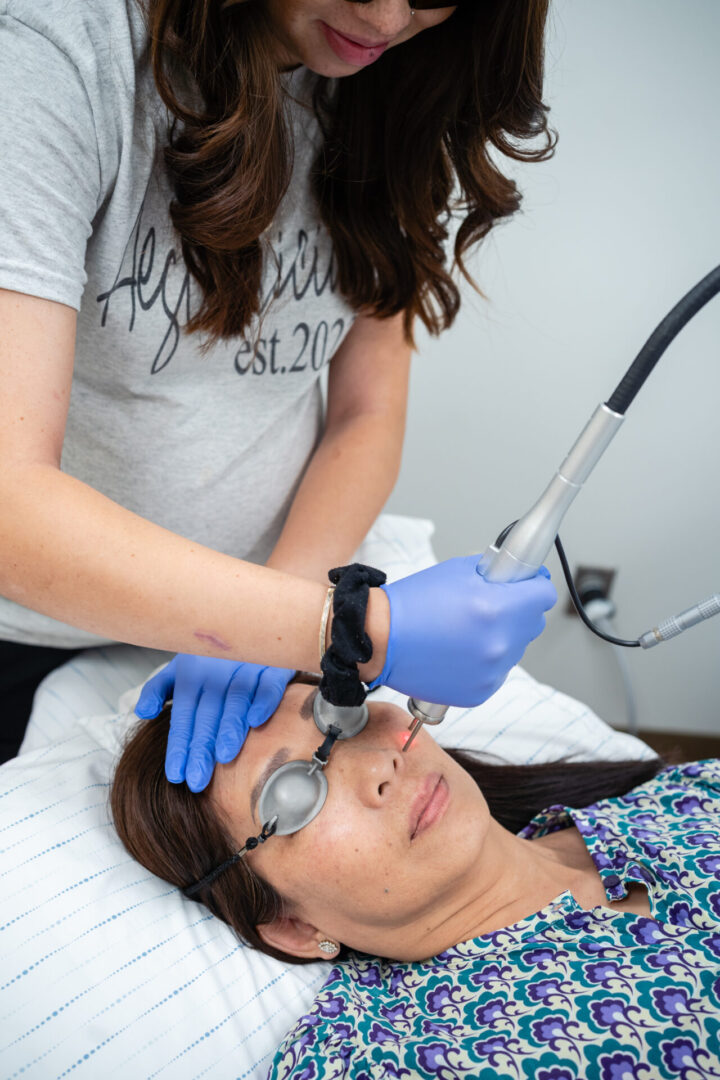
{"points": [[295, 937]]}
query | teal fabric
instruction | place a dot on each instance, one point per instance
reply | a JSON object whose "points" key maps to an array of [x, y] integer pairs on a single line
{"points": [[566, 994]]}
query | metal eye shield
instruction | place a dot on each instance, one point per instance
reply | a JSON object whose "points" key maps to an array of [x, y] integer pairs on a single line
{"points": [[295, 792]]}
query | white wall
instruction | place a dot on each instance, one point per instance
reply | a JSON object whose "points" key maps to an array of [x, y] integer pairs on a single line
{"points": [[614, 230]]}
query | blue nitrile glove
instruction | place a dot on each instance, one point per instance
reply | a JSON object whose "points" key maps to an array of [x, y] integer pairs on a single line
{"points": [[215, 702], [454, 636]]}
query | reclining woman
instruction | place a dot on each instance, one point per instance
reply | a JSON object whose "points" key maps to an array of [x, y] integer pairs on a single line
{"points": [[480, 925]]}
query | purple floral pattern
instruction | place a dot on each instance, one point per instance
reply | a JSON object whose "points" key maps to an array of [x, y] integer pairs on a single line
{"points": [[567, 994]]}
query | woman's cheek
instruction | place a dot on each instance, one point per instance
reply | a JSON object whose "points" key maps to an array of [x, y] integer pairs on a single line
{"points": [[348, 851], [334, 844]]}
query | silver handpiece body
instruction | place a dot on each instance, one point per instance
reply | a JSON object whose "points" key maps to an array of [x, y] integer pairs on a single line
{"points": [[525, 548]]}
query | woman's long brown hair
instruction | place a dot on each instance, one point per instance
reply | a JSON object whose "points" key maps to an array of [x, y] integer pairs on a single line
{"points": [[179, 837], [407, 140]]}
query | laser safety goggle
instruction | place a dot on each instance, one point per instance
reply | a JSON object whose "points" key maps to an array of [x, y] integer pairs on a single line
{"points": [[295, 793]]}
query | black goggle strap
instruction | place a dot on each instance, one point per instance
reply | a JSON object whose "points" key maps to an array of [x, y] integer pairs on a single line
{"points": [[321, 755], [250, 844]]}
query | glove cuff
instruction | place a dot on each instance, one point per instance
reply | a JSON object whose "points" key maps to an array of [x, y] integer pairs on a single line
{"points": [[384, 675]]}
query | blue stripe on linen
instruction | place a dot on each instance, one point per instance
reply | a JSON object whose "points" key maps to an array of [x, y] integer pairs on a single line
{"points": [[560, 731], [117, 972], [314, 984], [85, 933], [273, 984], [163, 969]]}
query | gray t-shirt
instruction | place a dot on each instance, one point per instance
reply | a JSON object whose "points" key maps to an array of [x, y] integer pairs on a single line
{"points": [[212, 446]]}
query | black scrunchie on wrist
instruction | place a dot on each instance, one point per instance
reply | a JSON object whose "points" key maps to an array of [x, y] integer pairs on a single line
{"points": [[350, 645]]}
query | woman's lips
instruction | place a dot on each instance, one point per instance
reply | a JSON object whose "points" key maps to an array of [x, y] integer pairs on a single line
{"points": [[429, 805], [351, 51]]}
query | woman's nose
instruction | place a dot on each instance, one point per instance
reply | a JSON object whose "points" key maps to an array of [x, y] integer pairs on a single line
{"points": [[383, 19], [375, 773]]}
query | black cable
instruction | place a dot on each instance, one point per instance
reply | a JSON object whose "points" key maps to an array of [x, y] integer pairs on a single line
{"points": [[623, 396], [573, 592], [581, 610], [503, 535], [662, 335]]}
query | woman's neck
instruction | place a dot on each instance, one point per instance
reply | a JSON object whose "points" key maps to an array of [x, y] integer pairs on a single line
{"points": [[511, 880]]}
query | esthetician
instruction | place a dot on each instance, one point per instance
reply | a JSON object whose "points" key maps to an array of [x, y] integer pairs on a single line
{"points": [[203, 205]]}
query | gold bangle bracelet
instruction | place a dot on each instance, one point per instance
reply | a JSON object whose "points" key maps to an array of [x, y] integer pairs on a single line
{"points": [[324, 621]]}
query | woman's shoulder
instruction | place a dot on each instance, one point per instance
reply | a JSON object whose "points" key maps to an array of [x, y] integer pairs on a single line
{"points": [[76, 70], [367, 1006], [61, 18], [671, 818], [674, 785], [102, 39], [675, 792], [705, 771], [323, 1037], [327, 1041]]}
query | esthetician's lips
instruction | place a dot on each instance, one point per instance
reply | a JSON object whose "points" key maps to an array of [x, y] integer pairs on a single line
{"points": [[429, 804], [351, 50]]}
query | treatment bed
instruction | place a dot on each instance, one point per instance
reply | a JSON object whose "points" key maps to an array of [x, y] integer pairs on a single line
{"points": [[108, 971]]}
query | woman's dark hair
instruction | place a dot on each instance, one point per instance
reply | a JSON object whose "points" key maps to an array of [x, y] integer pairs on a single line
{"points": [[516, 793], [406, 140], [179, 836]]}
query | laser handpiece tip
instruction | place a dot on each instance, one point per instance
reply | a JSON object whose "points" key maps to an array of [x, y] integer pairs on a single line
{"points": [[413, 732]]}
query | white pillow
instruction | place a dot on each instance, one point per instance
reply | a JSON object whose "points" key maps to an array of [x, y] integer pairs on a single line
{"points": [[107, 970]]}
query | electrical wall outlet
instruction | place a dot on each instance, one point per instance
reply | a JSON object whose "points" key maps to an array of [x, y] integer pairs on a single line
{"points": [[592, 583]]}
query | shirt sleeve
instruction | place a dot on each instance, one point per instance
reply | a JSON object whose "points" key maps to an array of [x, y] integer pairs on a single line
{"points": [[50, 179], [704, 774], [314, 1050]]}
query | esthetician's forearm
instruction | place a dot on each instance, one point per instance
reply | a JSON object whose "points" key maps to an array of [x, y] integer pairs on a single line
{"points": [[356, 464], [344, 489], [73, 554]]}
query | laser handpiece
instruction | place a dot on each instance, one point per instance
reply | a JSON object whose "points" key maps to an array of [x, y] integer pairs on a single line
{"points": [[520, 551]]}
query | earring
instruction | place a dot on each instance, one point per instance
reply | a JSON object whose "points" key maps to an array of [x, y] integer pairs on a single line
{"points": [[328, 946], [412, 11]]}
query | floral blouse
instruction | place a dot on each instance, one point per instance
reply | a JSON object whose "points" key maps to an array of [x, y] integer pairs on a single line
{"points": [[567, 993]]}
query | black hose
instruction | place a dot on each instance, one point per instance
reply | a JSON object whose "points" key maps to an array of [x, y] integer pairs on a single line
{"points": [[622, 398], [628, 644], [657, 343]]}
